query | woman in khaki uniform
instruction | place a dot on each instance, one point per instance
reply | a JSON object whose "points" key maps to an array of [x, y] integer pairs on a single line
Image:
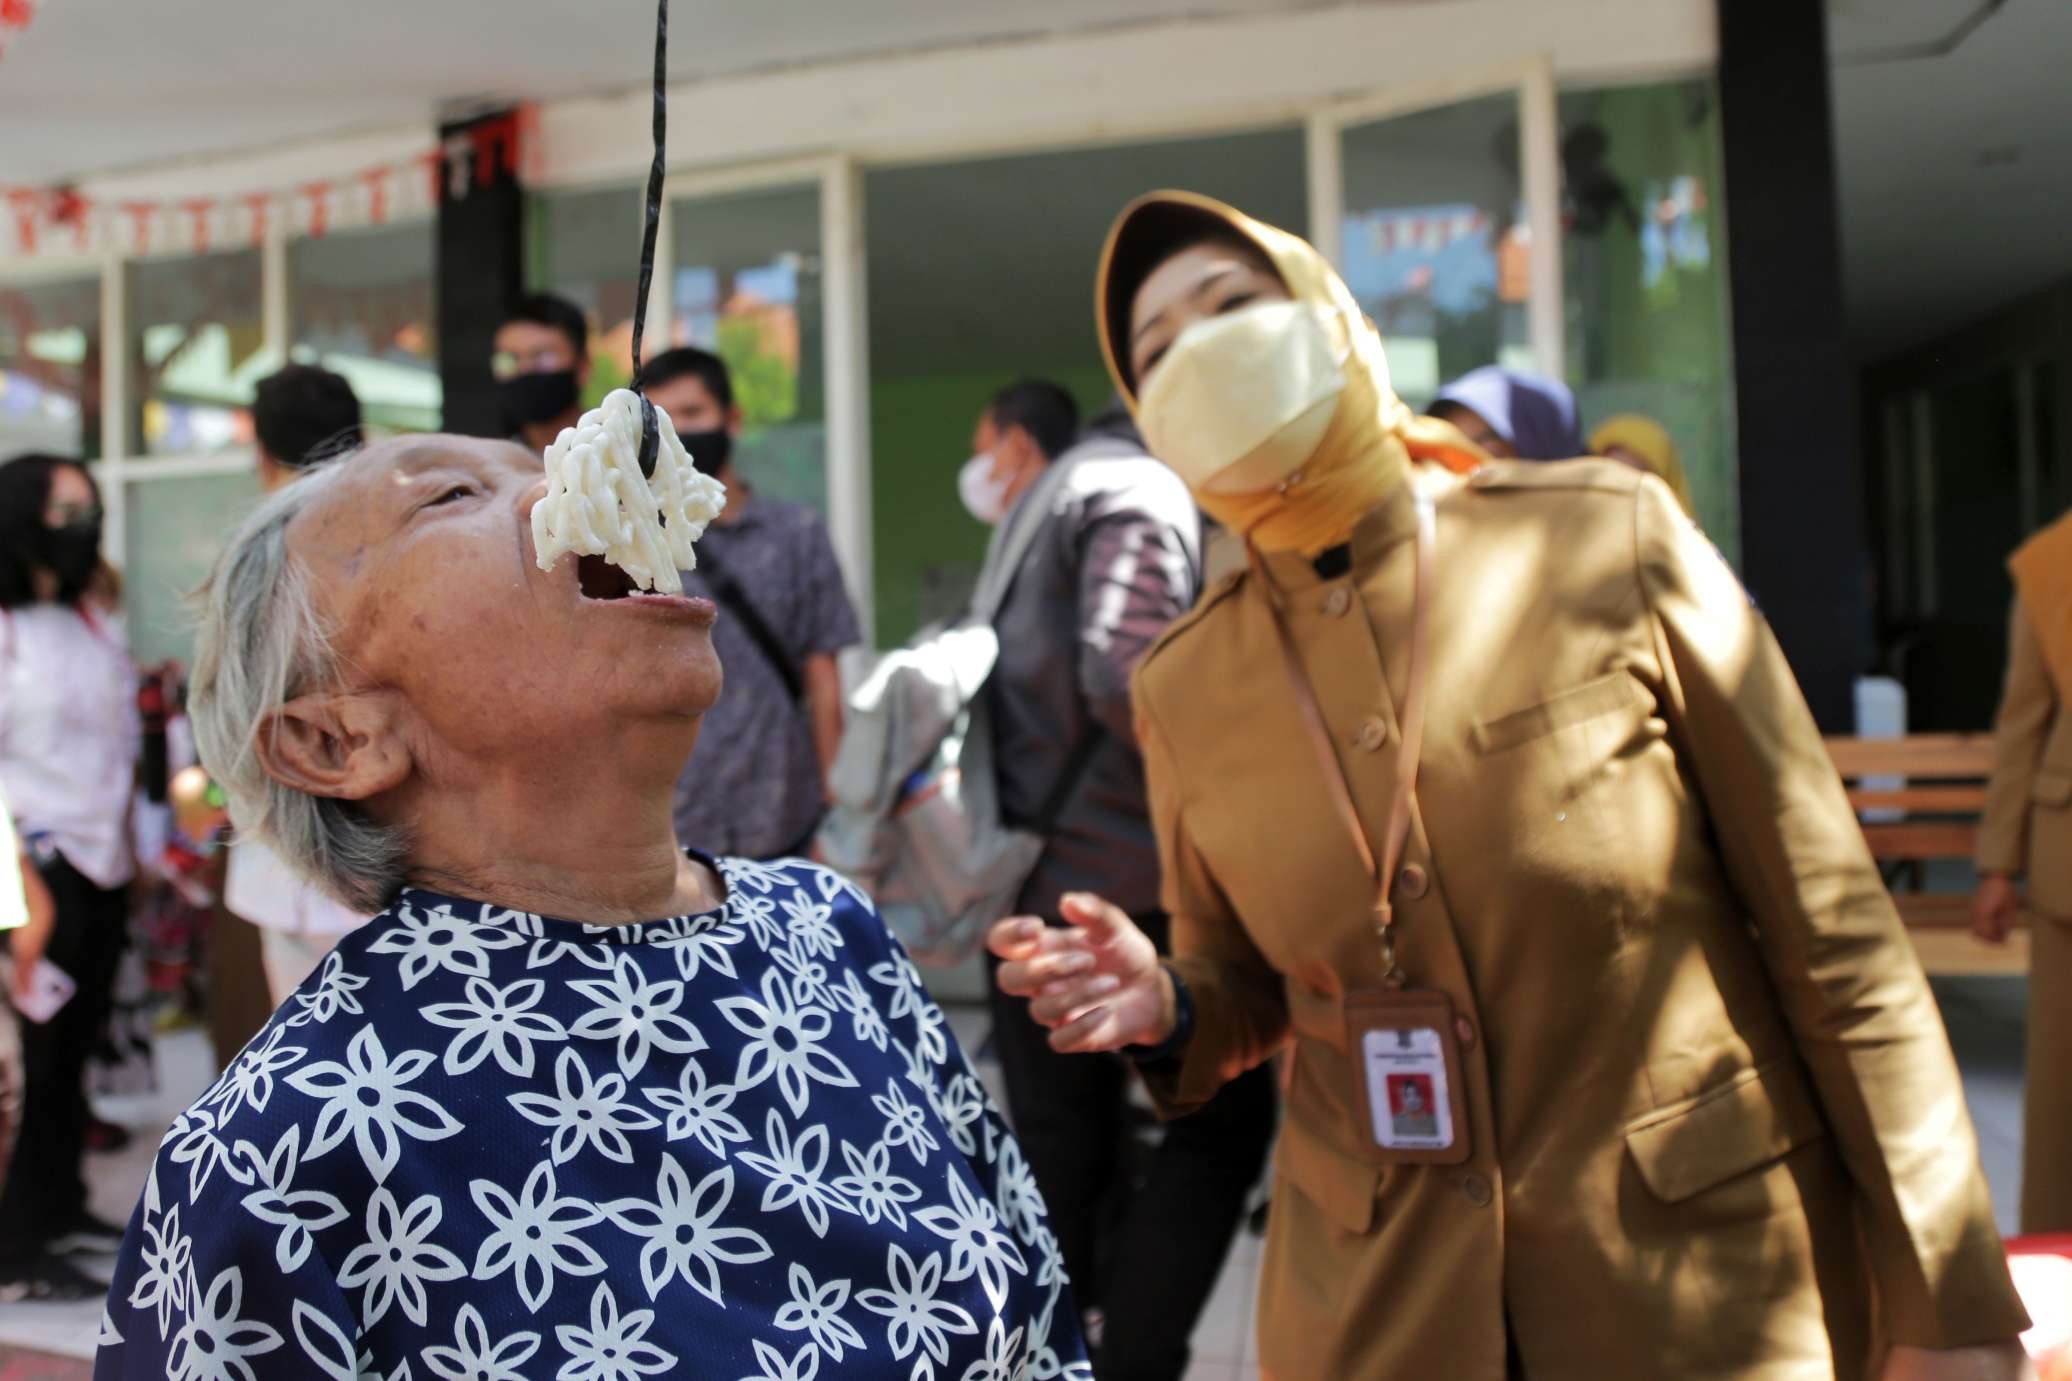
{"points": [[1699, 1117], [2027, 833]]}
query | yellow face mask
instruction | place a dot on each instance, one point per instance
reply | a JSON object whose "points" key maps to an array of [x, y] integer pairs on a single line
{"points": [[1279, 416], [1241, 401]]}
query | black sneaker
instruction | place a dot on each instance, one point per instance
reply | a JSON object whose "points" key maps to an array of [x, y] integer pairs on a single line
{"points": [[86, 1235], [49, 1279]]}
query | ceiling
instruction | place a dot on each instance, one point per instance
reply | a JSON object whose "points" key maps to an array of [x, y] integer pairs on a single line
{"points": [[109, 85], [1956, 170]]}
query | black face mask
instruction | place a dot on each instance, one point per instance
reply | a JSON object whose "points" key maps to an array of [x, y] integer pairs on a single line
{"points": [[710, 451], [534, 398], [72, 553]]}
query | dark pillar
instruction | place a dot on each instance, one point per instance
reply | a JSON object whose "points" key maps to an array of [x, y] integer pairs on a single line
{"points": [[481, 269], [1802, 542]]}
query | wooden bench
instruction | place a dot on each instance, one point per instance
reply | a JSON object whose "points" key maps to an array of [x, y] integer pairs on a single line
{"points": [[1933, 816]]}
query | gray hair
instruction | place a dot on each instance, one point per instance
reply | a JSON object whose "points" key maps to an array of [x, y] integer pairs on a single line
{"points": [[263, 642]]}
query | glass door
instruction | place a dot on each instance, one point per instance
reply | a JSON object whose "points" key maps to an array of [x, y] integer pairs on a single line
{"points": [[1441, 209], [746, 281]]}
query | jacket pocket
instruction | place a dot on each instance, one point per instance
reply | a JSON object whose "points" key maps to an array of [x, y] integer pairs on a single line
{"points": [[1605, 696], [1344, 1188], [1754, 1118], [2052, 788]]}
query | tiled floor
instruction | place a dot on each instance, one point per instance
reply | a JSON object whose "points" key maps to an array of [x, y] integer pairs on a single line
{"points": [[1984, 1016]]}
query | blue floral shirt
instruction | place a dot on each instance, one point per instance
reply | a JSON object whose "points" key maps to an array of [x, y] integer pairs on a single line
{"points": [[487, 1144]]}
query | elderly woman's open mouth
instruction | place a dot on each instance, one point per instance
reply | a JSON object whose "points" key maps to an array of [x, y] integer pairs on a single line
{"points": [[600, 582], [600, 579]]}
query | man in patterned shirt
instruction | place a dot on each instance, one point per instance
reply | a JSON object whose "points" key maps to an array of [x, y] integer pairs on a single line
{"points": [[575, 1103], [757, 784]]}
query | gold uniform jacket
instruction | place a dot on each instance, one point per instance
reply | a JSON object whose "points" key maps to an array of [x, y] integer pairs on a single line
{"points": [[2027, 826], [1714, 1111], [2027, 831]]}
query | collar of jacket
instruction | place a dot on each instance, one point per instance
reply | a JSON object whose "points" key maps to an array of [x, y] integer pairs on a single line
{"points": [[1392, 521]]}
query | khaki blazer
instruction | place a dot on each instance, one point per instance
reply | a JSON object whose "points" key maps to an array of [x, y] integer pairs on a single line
{"points": [[1718, 1131], [2027, 831]]}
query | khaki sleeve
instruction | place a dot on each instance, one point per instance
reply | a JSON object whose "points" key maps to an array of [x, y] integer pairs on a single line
{"points": [[1849, 984], [2028, 708], [1240, 1006]]}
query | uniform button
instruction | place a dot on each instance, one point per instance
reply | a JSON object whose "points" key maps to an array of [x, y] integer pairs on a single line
{"points": [[1476, 1190], [1372, 734], [1413, 882], [1338, 601], [1465, 1029]]}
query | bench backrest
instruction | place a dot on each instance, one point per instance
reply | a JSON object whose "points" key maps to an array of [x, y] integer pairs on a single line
{"points": [[1919, 799], [1937, 805]]}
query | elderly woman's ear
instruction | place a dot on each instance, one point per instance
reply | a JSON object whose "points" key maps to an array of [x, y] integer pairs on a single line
{"points": [[340, 744]]}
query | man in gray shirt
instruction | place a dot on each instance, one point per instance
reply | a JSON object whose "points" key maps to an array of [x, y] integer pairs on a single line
{"points": [[756, 786], [1116, 557]]}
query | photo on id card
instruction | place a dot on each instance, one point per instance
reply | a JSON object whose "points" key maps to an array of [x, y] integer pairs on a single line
{"points": [[1407, 1089]]}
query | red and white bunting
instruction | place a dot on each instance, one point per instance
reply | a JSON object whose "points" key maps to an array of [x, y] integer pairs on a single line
{"points": [[454, 169], [1413, 233]]}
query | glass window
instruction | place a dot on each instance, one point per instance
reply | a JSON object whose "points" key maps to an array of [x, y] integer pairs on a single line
{"points": [[361, 304], [981, 273], [174, 529], [1645, 273], [1435, 240], [585, 247], [196, 350], [748, 286], [50, 367]]}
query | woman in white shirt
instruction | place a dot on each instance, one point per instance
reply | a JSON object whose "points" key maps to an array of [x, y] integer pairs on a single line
{"points": [[68, 750]]}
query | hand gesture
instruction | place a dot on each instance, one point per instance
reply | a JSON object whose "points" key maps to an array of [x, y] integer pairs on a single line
{"points": [[1095, 982]]}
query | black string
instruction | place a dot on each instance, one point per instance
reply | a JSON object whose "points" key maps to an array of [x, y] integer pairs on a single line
{"points": [[650, 434]]}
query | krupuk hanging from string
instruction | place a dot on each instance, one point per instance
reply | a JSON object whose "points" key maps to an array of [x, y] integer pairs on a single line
{"points": [[619, 483]]}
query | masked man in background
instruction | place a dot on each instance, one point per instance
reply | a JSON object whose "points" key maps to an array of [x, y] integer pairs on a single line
{"points": [[757, 785]]}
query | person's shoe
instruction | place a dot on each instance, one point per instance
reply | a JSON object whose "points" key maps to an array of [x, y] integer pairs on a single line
{"points": [[105, 1136], [87, 1235], [49, 1279]]}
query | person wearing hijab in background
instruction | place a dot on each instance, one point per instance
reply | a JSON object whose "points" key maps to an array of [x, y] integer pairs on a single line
{"points": [[1644, 444], [1698, 1114], [1513, 415], [2027, 834]]}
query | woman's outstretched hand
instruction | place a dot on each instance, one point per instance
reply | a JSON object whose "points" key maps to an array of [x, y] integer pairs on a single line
{"points": [[1095, 982]]}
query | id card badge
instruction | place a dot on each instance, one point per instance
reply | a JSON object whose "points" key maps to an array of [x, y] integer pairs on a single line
{"points": [[1407, 1080]]}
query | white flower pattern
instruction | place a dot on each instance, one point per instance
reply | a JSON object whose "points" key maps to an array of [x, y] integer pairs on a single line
{"points": [[736, 1144], [582, 1112]]}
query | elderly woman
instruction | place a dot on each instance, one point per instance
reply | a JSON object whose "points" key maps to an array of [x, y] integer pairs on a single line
{"points": [[574, 1103], [1494, 804]]}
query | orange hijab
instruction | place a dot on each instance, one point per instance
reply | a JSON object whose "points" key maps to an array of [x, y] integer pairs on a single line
{"points": [[2043, 577]]}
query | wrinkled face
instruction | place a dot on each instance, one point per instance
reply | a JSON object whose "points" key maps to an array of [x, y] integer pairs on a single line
{"points": [[691, 406], [1199, 282], [1475, 427], [422, 559]]}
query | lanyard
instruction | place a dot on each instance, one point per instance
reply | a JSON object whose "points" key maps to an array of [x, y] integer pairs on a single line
{"points": [[1408, 751]]}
